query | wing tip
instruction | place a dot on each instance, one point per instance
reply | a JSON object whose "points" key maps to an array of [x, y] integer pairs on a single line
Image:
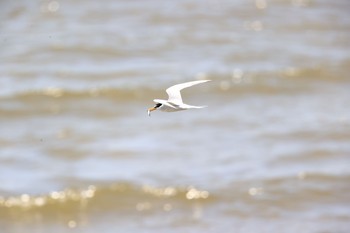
{"points": [[204, 80]]}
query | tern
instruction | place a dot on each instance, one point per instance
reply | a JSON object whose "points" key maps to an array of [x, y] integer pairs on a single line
{"points": [[174, 102]]}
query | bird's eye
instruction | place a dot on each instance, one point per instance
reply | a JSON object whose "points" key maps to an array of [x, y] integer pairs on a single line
{"points": [[158, 105]]}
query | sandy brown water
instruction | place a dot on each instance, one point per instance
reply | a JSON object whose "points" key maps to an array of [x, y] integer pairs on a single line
{"points": [[271, 153]]}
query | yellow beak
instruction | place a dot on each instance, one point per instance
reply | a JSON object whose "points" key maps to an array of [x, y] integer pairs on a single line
{"points": [[150, 110]]}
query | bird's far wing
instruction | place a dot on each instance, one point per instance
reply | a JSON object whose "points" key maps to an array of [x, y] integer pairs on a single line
{"points": [[174, 91]]}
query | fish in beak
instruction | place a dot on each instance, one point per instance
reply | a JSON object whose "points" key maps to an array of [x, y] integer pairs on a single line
{"points": [[150, 110], [158, 105]]}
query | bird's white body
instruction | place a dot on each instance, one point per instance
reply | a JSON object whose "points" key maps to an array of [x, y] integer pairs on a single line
{"points": [[172, 107], [174, 102]]}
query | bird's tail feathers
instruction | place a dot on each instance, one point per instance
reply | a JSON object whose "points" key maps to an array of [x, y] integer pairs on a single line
{"points": [[192, 106]]}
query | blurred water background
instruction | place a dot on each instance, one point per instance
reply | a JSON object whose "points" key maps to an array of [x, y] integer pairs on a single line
{"points": [[78, 152]]}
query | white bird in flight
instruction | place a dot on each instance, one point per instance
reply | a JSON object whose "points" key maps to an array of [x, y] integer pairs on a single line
{"points": [[174, 102]]}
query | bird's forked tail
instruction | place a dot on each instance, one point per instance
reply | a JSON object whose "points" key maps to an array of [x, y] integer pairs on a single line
{"points": [[192, 106]]}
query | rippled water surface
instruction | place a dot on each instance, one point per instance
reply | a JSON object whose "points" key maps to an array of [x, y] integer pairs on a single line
{"points": [[78, 152]]}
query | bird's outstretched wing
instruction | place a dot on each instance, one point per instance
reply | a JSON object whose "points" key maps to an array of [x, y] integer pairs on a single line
{"points": [[174, 91]]}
